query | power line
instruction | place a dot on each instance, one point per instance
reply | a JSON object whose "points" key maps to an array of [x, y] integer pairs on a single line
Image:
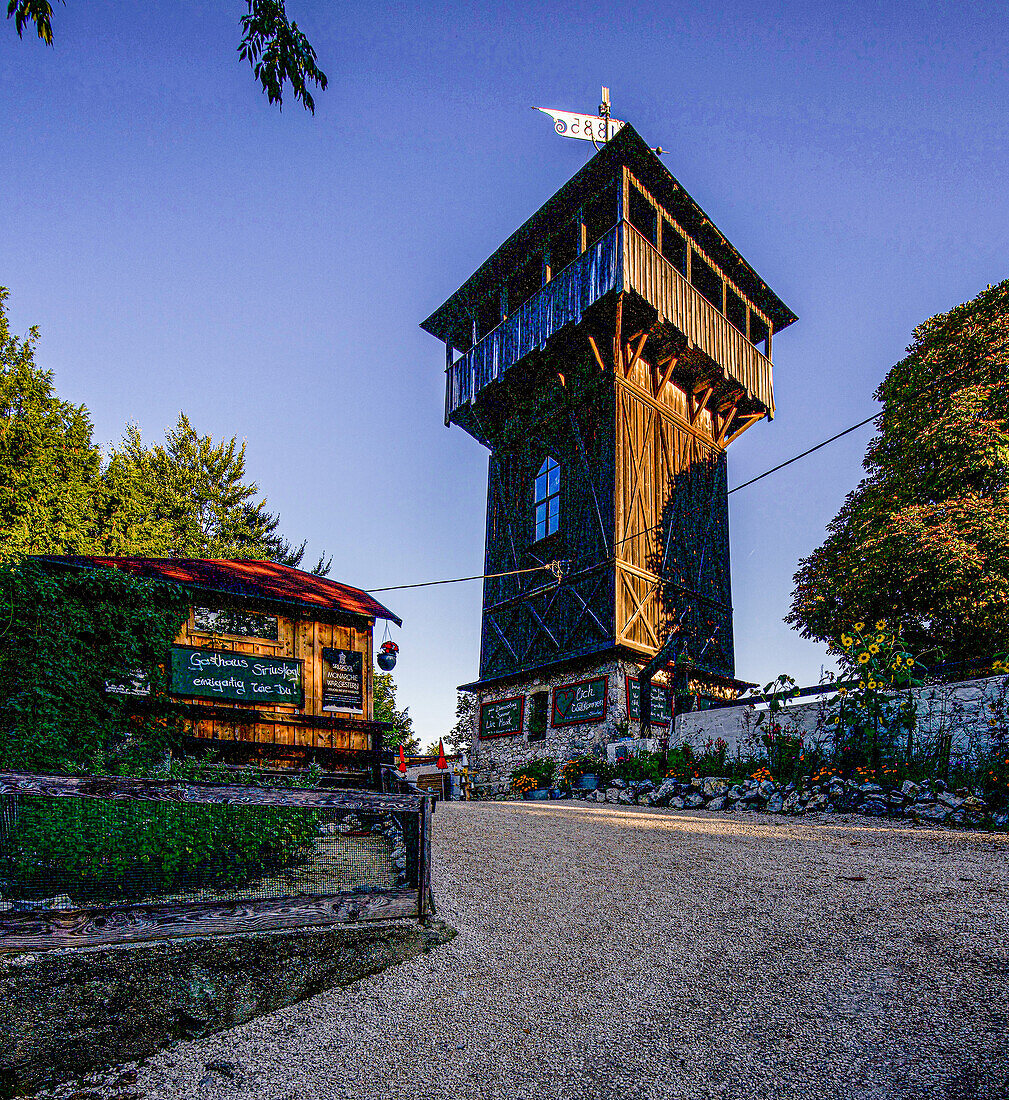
{"points": [[557, 567], [458, 580]]}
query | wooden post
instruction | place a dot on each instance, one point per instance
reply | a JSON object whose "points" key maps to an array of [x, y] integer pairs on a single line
{"points": [[424, 906]]}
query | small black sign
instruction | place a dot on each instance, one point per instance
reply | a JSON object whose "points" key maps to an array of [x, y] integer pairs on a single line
{"points": [[662, 697], [343, 680], [503, 717]]}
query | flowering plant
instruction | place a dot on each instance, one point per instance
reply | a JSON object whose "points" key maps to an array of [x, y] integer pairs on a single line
{"points": [[878, 707], [574, 769]]}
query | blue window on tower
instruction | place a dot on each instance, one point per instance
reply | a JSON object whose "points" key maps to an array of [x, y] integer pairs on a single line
{"points": [[547, 498]]}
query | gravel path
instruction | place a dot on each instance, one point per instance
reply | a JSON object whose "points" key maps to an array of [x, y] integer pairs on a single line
{"points": [[628, 952]]}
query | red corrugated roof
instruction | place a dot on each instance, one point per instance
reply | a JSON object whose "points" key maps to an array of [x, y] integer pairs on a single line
{"points": [[265, 579]]}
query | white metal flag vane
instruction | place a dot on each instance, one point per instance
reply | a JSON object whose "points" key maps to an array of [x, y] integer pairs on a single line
{"points": [[595, 128]]}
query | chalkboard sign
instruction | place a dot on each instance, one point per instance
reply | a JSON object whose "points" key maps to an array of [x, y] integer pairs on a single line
{"points": [[239, 677], [137, 684], [343, 680], [582, 701], [503, 717], [662, 698]]}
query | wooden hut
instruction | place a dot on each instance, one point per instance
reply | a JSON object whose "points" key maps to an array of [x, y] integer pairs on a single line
{"points": [[273, 665]]}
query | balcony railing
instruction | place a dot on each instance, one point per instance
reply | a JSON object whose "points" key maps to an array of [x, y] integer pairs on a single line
{"points": [[561, 302], [622, 259], [678, 303]]}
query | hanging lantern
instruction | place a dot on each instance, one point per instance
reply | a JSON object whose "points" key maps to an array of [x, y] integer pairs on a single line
{"points": [[387, 656]]}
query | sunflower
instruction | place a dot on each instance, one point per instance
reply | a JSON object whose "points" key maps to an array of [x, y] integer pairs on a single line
{"points": [[863, 658], [846, 640], [860, 626], [881, 625]]}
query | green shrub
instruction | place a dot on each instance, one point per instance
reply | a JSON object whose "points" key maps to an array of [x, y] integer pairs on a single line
{"points": [[105, 850]]}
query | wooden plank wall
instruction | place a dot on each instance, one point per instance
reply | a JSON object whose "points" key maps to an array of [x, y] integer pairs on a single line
{"points": [[300, 639], [655, 441]]}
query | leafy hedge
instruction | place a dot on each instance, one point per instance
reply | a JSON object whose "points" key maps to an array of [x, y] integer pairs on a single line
{"points": [[62, 636]]}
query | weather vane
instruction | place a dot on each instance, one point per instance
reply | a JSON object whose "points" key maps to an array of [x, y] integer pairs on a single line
{"points": [[595, 128]]}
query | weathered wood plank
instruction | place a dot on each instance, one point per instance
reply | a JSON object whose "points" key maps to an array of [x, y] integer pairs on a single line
{"points": [[165, 790], [44, 930]]}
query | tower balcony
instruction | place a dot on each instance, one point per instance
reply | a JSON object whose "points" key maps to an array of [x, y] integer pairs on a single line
{"points": [[622, 261]]}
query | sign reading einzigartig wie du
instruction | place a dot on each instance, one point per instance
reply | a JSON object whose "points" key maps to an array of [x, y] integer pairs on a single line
{"points": [[236, 677]]}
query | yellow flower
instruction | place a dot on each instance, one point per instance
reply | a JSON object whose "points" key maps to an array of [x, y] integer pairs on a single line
{"points": [[846, 640], [842, 691], [863, 658], [874, 649], [861, 684], [860, 626], [881, 625], [879, 639]]}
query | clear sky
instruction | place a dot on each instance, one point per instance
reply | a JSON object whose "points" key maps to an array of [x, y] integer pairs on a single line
{"points": [[183, 245]]}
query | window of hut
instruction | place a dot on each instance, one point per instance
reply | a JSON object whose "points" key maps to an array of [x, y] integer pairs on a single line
{"points": [[759, 333], [641, 214], [674, 247], [547, 498], [488, 315], [238, 624], [707, 280], [735, 309]]}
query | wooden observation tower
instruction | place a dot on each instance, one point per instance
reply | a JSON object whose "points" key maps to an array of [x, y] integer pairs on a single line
{"points": [[606, 354]]}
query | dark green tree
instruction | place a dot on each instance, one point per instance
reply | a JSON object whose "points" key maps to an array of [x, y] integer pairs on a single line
{"points": [[385, 710], [923, 542], [460, 736], [275, 47], [188, 498], [49, 466]]}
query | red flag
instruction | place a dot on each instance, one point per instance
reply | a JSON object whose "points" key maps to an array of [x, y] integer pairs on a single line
{"points": [[442, 762], [402, 760]]}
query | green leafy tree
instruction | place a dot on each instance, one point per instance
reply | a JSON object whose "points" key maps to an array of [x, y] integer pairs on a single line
{"points": [[49, 466], [923, 542], [188, 498], [275, 47], [460, 736], [385, 710]]}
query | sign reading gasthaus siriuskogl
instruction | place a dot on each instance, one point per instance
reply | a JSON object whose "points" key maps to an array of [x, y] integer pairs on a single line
{"points": [[237, 677], [583, 701]]}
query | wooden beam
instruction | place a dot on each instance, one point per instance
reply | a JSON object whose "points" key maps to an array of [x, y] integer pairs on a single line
{"points": [[595, 352], [636, 354], [43, 930], [618, 336], [748, 422], [701, 403], [670, 365], [167, 790], [729, 417]]}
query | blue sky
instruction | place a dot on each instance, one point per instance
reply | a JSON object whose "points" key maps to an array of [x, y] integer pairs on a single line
{"points": [[182, 245]]}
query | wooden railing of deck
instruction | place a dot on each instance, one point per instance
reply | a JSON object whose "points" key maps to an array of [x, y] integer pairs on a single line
{"points": [[622, 259], [652, 276]]}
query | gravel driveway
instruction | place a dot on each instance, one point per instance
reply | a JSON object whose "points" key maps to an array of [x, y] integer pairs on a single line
{"points": [[628, 952]]}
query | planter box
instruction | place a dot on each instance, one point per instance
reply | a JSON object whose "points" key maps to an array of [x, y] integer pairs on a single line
{"points": [[586, 783]]}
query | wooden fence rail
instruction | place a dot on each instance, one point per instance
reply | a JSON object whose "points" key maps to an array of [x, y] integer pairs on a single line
{"points": [[30, 927]]}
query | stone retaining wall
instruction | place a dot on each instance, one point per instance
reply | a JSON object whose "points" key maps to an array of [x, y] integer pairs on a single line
{"points": [[64, 1012], [962, 710], [930, 802]]}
